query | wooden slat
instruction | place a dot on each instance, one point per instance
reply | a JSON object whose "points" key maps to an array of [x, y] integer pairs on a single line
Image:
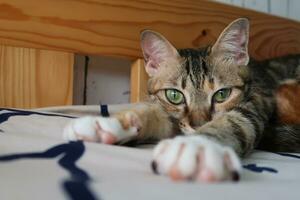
{"points": [[79, 80], [31, 78], [138, 84], [112, 27]]}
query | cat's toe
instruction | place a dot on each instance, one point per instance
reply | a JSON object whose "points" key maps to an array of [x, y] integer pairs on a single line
{"points": [[112, 130], [191, 158], [81, 129], [217, 163], [132, 122], [99, 129], [232, 163], [176, 159], [105, 137]]}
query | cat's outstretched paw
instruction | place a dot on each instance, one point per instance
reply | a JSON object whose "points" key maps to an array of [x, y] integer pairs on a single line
{"points": [[101, 129], [195, 158]]}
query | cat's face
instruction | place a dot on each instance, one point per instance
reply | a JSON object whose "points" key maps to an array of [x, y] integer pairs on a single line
{"points": [[195, 86]]}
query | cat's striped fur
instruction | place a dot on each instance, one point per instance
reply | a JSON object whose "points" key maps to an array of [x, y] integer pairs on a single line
{"points": [[223, 104], [254, 120]]}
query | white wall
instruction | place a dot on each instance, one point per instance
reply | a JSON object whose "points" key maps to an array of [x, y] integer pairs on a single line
{"points": [[108, 80], [283, 8]]}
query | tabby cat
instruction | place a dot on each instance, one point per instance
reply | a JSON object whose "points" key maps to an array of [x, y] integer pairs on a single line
{"points": [[208, 107]]}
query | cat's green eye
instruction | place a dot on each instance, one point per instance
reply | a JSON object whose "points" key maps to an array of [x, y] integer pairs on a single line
{"points": [[174, 96], [221, 95]]}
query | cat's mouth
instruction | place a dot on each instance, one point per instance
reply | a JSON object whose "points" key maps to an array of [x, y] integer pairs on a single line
{"points": [[186, 128]]}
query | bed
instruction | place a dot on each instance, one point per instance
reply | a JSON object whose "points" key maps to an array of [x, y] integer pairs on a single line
{"points": [[35, 163], [36, 70]]}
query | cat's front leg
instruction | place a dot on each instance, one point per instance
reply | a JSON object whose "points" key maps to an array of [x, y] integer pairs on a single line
{"points": [[196, 158], [144, 121]]}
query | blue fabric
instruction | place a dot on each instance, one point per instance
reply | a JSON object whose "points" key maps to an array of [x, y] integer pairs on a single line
{"points": [[258, 169], [289, 155], [104, 110]]}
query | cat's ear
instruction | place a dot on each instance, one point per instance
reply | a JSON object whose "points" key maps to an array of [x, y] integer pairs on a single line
{"points": [[156, 50], [232, 44]]}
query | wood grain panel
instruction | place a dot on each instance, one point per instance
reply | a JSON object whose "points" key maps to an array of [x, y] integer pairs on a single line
{"points": [[138, 84], [31, 78], [112, 27]]}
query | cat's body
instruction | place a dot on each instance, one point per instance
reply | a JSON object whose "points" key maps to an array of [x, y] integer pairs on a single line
{"points": [[222, 104]]}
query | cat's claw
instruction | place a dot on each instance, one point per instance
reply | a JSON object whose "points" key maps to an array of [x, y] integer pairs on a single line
{"points": [[195, 158], [100, 129]]}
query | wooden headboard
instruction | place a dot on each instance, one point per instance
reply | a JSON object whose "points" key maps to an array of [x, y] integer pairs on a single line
{"points": [[106, 27]]}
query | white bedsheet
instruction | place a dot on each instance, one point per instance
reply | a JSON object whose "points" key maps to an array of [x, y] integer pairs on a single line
{"points": [[36, 163]]}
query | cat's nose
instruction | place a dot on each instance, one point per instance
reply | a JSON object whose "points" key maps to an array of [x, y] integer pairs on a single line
{"points": [[185, 127], [196, 123], [198, 118]]}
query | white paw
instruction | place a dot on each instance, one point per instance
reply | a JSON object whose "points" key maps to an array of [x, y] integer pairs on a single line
{"points": [[195, 158], [108, 130]]}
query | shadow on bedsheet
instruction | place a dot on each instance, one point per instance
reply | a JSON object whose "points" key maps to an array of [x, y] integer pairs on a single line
{"points": [[77, 186]]}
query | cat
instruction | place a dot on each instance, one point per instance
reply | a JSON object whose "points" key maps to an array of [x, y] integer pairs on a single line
{"points": [[208, 107]]}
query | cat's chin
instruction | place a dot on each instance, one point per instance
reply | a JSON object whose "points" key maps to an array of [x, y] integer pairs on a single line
{"points": [[186, 128]]}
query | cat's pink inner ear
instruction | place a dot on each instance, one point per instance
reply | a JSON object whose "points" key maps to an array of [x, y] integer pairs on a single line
{"points": [[152, 51], [151, 67], [233, 42], [156, 50], [241, 53]]}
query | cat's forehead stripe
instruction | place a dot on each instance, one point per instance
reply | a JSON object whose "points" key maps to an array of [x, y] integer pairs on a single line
{"points": [[183, 82], [195, 65]]}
